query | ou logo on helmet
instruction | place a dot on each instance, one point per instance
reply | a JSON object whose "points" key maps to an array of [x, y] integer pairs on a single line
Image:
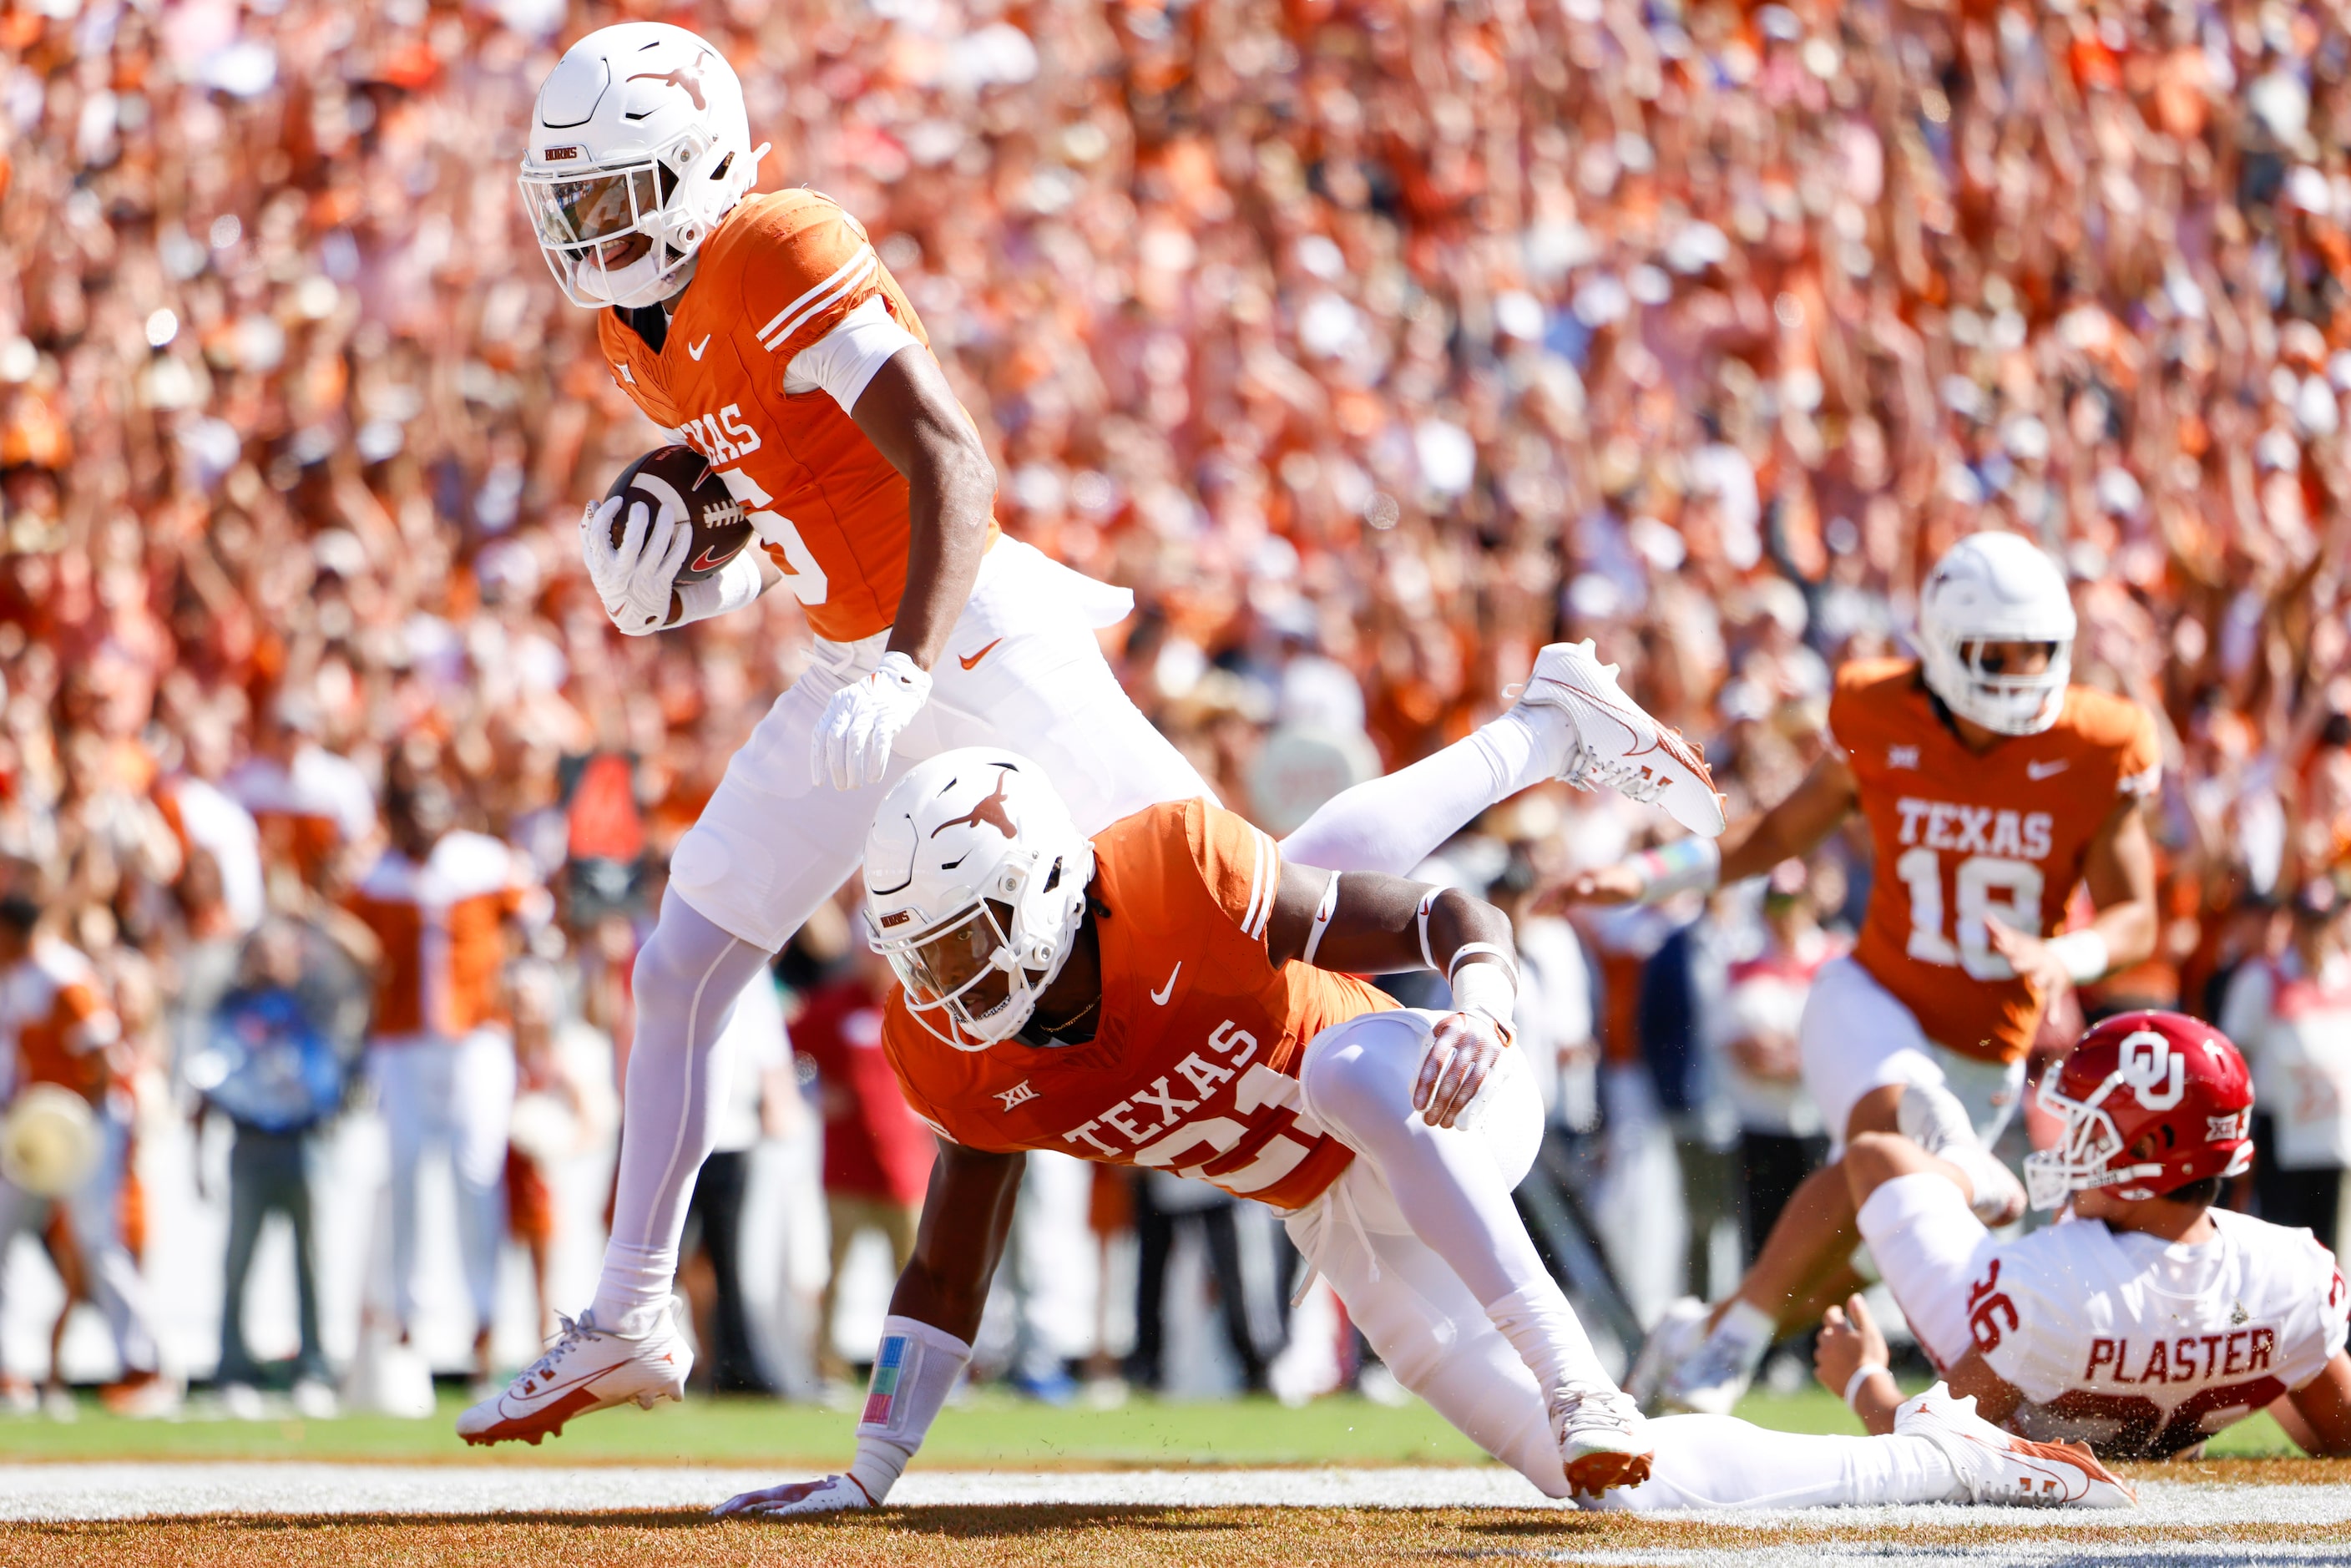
{"points": [[2148, 1061]]}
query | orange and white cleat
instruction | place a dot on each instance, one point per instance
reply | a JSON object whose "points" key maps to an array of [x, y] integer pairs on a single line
{"points": [[1617, 743], [1998, 1466], [1603, 1441], [587, 1369]]}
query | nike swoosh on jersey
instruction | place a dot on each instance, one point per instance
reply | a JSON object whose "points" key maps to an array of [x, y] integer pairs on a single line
{"points": [[2037, 771], [695, 349], [1162, 993], [976, 658]]}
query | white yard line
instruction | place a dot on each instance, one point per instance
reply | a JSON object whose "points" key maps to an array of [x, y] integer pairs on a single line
{"points": [[83, 1491]]}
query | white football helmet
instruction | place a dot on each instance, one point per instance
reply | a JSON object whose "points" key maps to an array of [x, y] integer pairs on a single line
{"points": [[1996, 588], [974, 888], [638, 147]]}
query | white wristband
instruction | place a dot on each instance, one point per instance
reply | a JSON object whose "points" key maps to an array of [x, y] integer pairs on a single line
{"points": [[731, 587], [1485, 987], [914, 1370], [2083, 953], [1861, 1375]]}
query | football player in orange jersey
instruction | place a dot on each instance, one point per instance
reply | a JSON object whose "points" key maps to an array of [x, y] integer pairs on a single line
{"points": [[1991, 786], [763, 330], [1150, 997]]}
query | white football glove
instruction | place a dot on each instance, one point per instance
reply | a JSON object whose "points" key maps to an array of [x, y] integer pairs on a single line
{"points": [[852, 741], [834, 1494], [635, 578]]}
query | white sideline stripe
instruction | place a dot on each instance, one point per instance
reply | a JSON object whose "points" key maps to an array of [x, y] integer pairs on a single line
{"points": [[778, 331], [127, 1490]]}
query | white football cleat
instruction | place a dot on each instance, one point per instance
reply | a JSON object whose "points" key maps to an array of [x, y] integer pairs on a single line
{"points": [[1710, 1380], [1998, 1466], [1934, 1119], [1676, 1337], [1603, 1441], [1617, 743], [586, 1369], [834, 1494]]}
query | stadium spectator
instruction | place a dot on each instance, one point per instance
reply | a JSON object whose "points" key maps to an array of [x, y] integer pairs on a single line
{"points": [[2292, 1018], [877, 1156], [58, 1030], [275, 1061], [441, 903], [1780, 1139]]}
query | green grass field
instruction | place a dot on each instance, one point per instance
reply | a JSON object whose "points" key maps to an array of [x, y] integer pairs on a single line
{"points": [[989, 1430]]}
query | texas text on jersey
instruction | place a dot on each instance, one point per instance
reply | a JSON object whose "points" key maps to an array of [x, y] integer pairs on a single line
{"points": [[2142, 1348], [1960, 835], [1194, 1063], [780, 273]]}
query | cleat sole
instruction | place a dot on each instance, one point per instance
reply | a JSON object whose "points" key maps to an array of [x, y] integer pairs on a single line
{"points": [[1595, 1473]]}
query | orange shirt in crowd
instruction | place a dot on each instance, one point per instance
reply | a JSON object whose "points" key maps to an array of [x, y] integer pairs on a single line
{"points": [[306, 810], [443, 928], [1194, 1064], [1960, 836], [56, 1024], [781, 272]]}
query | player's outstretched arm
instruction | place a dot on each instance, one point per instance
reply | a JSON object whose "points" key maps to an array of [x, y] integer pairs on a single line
{"points": [[927, 1338], [2323, 1409], [1368, 923], [911, 415], [1794, 828]]}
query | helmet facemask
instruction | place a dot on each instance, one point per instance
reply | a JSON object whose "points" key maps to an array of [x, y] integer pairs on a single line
{"points": [[670, 201], [2084, 1155], [2000, 701], [973, 978]]}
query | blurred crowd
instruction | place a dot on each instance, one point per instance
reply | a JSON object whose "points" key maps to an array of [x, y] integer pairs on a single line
{"points": [[1373, 344]]}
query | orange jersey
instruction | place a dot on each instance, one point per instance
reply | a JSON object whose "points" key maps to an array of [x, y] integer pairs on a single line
{"points": [[1960, 836], [781, 271], [56, 1024], [443, 928], [1194, 1064]]}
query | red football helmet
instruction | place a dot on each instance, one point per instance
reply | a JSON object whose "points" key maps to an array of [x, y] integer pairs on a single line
{"points": [[2163, 1078]]}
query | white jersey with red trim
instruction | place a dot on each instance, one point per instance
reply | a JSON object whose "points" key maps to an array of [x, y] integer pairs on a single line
{"points": [[2143, 1347]]}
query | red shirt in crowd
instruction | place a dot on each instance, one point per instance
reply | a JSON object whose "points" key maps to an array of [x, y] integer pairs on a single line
{"points": [[874, 1145]]}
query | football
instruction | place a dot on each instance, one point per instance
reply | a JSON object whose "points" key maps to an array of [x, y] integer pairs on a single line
{"points": [[680, 479]]}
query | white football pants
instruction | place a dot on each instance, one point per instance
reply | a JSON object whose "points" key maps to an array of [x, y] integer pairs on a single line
{"points": [[456, 1095]]}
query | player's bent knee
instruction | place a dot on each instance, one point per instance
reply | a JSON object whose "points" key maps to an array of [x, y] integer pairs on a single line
{"points": [[1878, 1110], [1873, 1159]]}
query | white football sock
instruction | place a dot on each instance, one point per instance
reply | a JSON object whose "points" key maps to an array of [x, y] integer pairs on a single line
{"points": [[1720, 1461], [1749, 1327], [1393, 823], [1537, 1322], [686, 979]]}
